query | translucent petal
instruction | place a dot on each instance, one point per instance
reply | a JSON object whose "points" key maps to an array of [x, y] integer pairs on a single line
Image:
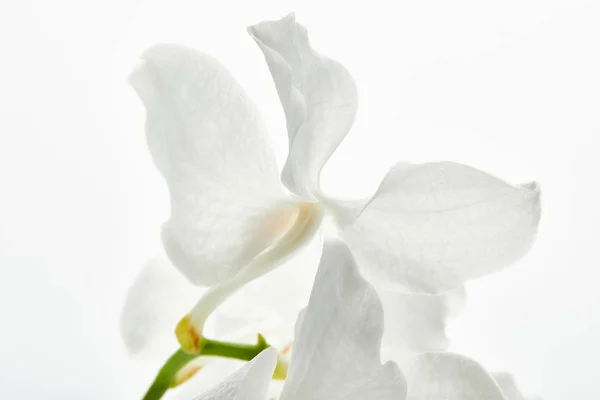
{"points": [[431, 227], [337, 351], [251, 382], [155, 302], [448, 376], [208, 142], [318, 95]]}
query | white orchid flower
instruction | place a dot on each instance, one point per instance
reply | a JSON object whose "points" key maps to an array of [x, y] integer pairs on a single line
{"points": [[338, 352], [427, 229]]}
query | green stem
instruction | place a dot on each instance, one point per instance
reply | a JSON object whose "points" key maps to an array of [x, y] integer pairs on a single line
{"points": [[167, 374], [238, 351]]}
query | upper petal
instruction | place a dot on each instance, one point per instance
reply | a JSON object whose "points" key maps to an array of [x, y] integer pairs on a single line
{"points": [[318, 95], [431, 227], [156, 300], [251, 382], [448, 376], [337, 350], [207, 140]]}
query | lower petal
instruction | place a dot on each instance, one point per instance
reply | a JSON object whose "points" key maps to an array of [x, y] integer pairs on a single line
{"points": [[251, 382], [448, 376], [337, 348]]}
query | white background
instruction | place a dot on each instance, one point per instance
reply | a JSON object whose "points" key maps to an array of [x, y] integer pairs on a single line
{"points": [[511, 87]]}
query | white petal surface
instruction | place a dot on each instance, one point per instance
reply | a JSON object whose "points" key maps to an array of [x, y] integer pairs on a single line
{"points": [[337, 351], [251, 382], [213, 371], [509, 387], [416, 323], [448, 376], [155, 302], [208, 142], [318, 96], [431, 227]]}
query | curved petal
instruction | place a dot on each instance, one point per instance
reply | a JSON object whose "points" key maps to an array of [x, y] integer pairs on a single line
{"points": [[155, 302], [431, 227], [416, 323], [509, 387], [208, 142], [337, 351], [448, 376], [251, 382], [318, 95]]}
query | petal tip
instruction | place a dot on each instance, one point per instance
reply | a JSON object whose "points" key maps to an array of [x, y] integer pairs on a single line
{"points": [[132, 344], [266, 28], [142, 79], [291, 17], [251, 29], [533, 186], [133, 333]]}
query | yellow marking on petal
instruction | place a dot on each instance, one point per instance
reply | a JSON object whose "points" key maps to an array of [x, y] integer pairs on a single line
{"points": [[187, 336], [281, 368], [185, 374], [287, 348], [281, 221]]}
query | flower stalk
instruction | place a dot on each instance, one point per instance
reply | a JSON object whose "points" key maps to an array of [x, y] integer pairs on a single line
{"points": [[167, 376]]}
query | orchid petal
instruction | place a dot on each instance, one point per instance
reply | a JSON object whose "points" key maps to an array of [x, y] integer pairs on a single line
{"points": [[155, 302], [509, 387], [416, 323], [448, 376], [431, 227], [208, 142], [212, 370], [251, 382], [337, 351], [318, 95]]}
